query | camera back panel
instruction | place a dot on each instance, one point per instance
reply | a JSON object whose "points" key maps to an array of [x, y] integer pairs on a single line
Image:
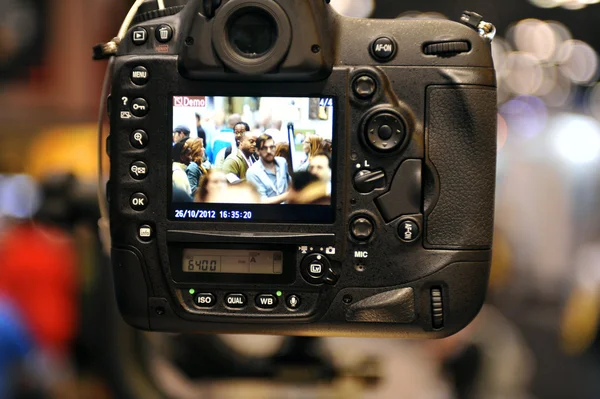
{"points": [[402, 248]]}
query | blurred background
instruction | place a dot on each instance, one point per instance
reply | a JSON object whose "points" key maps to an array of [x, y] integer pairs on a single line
{"points": [[537, 336]]}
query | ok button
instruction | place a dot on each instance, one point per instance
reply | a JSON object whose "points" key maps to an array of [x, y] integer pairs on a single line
{"points": [[139, 201]]}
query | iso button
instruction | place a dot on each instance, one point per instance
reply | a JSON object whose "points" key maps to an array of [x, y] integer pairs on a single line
{"points": [[205, 300], [139, 107], [138, 201], [383, 49]]}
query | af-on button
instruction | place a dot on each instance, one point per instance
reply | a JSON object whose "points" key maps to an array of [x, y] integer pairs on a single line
{"points": [[383, 49]]}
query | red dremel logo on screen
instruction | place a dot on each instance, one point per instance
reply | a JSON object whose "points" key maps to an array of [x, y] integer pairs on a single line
{"points": [[185, 101]]}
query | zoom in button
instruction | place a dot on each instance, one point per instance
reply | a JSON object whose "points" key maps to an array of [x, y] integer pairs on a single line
{"points": [[139, 139]]}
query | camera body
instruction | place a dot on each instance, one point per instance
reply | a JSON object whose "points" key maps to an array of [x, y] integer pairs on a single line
{"points": [[399, 246]]}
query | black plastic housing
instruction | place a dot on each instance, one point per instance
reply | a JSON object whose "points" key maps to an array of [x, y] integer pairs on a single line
{"points": [[383, 286]]}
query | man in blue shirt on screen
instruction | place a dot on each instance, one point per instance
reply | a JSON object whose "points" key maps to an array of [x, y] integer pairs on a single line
{"points": [[270, 174]]}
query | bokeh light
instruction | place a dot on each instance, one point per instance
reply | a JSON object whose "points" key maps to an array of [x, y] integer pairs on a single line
{"points": [[354, 8], [568, 4], [536, 38], [20, 196], [525, 75], [502, 132], [578, 61], [525, 116], [593, 101], [577, 137]]}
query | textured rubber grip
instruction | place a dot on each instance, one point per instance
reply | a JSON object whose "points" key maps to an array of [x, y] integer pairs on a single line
{"points": [[461, 149]]}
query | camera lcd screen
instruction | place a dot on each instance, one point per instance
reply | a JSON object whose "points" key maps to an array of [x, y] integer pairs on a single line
{"points": [[232, 261], [253, 159]]}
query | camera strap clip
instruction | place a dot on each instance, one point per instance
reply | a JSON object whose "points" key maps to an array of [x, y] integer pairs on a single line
{"points": [[475, 21]]}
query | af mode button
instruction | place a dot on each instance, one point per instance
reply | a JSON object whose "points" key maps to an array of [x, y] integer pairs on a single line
{"points": [[235, 301]]}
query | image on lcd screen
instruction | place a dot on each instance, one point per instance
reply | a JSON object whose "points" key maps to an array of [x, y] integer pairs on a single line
{"points": [[231, 156]]}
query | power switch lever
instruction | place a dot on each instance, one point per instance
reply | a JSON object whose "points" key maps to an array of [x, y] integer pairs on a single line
{"points": [[366, 181]]}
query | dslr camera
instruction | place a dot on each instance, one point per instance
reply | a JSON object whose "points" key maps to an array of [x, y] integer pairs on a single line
{"points": [[277, 168]]}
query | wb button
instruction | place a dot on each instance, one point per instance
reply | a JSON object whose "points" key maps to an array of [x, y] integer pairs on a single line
{"points": [[139, 201], [266, 301]]}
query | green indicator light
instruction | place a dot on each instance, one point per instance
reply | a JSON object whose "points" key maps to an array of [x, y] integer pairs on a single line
{"points": [[279, 293], [192, 291]]}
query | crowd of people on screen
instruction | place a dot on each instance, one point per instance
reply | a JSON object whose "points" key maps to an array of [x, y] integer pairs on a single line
{"points": [[244, 165]]}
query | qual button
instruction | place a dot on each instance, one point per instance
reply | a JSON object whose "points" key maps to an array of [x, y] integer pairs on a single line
{"points": [[235, 300]]}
